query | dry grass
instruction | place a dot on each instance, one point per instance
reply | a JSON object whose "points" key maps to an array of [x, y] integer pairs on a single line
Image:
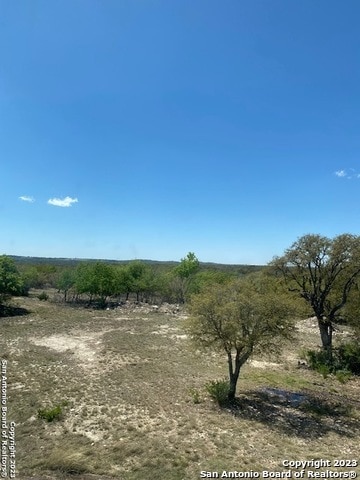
{"points": [[126, 381]]}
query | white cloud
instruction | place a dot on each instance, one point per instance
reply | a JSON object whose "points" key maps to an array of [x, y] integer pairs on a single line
{"points": [[62, 202], [345, 174], [25, 198]]}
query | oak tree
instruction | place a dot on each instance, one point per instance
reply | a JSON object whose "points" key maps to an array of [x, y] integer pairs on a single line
{"points": [[323, 272], [241, 318]]}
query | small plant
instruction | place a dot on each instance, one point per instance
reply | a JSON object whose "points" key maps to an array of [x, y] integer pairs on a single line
{"points": [[218, 390], [43, 296], [323, 369], [343, 376], [195, 395], [50, 414]]}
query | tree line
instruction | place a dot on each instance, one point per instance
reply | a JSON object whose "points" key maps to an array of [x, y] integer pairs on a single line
{"points": [[98, 282]]}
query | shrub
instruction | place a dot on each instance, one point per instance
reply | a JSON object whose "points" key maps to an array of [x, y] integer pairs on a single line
{"points": [[349, 355], [43, 296], [344, 360], [50, 414], [319, 361], [323, 369], [218, 390], [343, 375]]}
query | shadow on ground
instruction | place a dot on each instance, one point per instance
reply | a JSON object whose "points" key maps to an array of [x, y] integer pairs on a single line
{"points": [[12, 311], [305, 415]]}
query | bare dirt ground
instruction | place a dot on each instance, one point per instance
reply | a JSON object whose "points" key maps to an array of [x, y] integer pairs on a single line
{"points": [[134, 407]]}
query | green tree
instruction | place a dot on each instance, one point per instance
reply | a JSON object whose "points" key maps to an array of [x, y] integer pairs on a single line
{"points": [[323, 272], [10, 279], [203, 279], [184, 274], [96, 280], [188, 266], [241, 318], [66, 281], [122, 281], [40, 276], [84, 280], [104, 281], [141, 278], [30, 277]]}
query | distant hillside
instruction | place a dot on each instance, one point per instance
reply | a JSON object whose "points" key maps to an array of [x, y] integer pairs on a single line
{"points": [[73, 262]]}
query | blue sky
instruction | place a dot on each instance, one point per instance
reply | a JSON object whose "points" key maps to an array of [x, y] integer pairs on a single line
{"points": [[147, 129]]}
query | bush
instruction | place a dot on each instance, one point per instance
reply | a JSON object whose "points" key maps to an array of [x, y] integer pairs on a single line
{"points": [[344, 361], [343, 375], [318, 360], [43, 296], [50, 414], [349, 355], [218, 390]]}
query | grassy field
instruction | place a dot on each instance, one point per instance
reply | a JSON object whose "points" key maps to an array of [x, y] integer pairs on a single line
{"points": [[131, 392]]}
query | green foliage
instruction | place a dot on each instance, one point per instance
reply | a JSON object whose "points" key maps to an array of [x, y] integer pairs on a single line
{"points": [[315, 358], [240, 318], [351, 310], [66, 281], [324, 370], [50, 414], [348, 355], [30, 278], [188, 266], [343, 376], [10, 280], [101, 280], [122, 280], [246, 314], [43, 296], [39, 276], [183, 277], [344, 360], [141, 279], [218, 391], [323, 272], [204, 279], [96, 280]]}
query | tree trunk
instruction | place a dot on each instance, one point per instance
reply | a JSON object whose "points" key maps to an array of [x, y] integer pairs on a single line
{"points": [[103, 302], [232, 388], [234, 374], [326, 330]]}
